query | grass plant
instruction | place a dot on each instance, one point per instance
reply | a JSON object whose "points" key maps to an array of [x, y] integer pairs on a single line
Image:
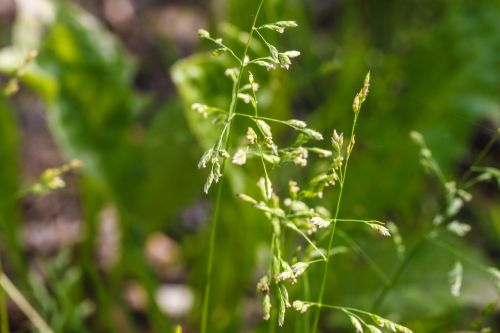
{"points": [[291, 214], [285, 174]]}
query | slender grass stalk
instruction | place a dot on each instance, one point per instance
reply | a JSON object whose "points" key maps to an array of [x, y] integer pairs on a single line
{"points": [[215, 218], [481, 155], [373, 265], [356, 317], [208, 284], [308, 240], [24, 305], [336, 307], [334, 224], [457, 253], [4, 318], [398, 271]]}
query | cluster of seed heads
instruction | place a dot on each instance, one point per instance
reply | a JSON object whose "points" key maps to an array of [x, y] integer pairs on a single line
{"points": [[12, 86], [294, 213], [51, 179], [259, 137]]}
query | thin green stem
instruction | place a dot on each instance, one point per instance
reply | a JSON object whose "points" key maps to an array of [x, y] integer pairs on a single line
{"points": [[271, 268], [439, 173], [373, 265], [262, 37], [215, 218], [261, 153], [481, 155], [314, 261], [240, 74], [211, 248], [253, 61], [398, 271], [222, 45], [472, 183], [208, 284], [278, 249], [300, 232], [459, 255], [233, 55], [361, 221], [213, 233], [255, 117], [351, 313], [340, 308], [334, 225]]}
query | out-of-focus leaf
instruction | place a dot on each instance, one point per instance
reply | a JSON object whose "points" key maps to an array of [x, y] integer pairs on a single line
{"points": [[168, 149], [91, 106], [86, 80], [200, 78], [31, 20]]}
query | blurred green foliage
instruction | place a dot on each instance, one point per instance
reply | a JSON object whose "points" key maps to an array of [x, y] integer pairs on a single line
{"points": [[9, 177], [435, 68]]}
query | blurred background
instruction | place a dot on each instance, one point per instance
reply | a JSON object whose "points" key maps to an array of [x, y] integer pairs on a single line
{"points": [[122, 248]]}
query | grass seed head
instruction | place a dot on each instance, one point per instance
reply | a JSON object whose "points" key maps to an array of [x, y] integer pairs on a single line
{"points": [[320, 222], [380, 229], [356, 323], [300, 306], [251, 136], [266, 307], [202, 33]]}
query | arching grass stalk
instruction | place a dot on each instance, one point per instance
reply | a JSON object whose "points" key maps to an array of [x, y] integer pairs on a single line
{"points": [[454, 193], [215, 218], [431, 165], [360, 319], [358, 101]]}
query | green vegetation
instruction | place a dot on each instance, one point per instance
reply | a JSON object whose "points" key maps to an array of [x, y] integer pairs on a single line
{"points": [[250, 192]]}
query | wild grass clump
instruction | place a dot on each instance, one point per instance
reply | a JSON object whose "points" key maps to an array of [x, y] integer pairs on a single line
{"points": [[49, 181], [296, 213], [293, 211], [302, 235]]}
